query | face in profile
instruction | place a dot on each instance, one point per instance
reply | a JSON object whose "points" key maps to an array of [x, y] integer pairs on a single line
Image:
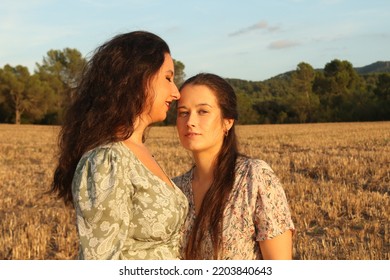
{"points": [[200, 125], [162, 91]]}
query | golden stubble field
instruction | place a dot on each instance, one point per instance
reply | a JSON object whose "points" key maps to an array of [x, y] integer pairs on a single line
{"points": [[336, 178]]}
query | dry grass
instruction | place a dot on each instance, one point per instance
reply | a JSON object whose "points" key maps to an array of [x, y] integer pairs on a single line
{"points": [[336, 178]]}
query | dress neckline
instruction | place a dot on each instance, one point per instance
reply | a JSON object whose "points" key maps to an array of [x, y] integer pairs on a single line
{"points": [[173, 187]]}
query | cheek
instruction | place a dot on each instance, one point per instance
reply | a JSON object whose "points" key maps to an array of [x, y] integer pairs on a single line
{"points": [[179, 124], [214, 130], [218, 135], [213, 126], [180, 127]]}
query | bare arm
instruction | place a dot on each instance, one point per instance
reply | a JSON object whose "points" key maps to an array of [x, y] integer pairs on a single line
{"points": [[278, 248]]}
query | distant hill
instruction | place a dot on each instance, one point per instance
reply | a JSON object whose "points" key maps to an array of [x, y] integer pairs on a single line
{"points": [[377, 67], [374, 68]]}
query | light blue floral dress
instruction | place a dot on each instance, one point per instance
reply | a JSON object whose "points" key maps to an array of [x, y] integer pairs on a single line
{"points": [[123, 210]]}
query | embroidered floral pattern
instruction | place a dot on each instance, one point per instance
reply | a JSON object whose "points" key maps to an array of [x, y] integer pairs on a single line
{"points": [[123, 210]]}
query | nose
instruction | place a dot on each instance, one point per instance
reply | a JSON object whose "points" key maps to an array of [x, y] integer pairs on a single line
{"points": [[175, 93], [191, 120]]}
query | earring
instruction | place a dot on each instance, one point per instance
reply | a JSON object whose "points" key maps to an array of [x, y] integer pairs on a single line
{"points": [[226, 132]]}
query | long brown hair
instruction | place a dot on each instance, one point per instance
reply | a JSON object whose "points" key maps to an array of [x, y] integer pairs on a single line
{"points": [[210, 217], [111, 95]]}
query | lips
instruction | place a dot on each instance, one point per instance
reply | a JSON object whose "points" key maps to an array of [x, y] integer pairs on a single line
{"points": [[191, 134]]}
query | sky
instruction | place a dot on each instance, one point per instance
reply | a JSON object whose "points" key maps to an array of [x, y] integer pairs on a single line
{"points": [[243, 39]]}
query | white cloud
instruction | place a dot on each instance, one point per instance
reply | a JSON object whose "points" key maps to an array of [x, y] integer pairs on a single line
{"points": [[282, 44], [257, 26]]}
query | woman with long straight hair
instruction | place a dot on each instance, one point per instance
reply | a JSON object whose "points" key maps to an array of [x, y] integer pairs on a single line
{"points": [[237, 206]]}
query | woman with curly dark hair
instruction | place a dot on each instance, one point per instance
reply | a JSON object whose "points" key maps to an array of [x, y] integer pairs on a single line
{"points": [[126, 206]]}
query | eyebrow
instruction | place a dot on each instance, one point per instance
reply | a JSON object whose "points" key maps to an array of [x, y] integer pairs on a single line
{"points": [[197, 105]]}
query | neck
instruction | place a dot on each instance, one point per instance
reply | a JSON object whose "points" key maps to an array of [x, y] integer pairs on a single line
{"points": [[137, 135], [204, 166]]}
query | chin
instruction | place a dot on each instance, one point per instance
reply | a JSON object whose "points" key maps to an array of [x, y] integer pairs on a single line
{"points": [[161, 119], [190, 148]]}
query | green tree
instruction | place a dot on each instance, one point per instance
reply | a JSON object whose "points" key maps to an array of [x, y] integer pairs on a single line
{"points": [[336, 88], [22, 92], [179, 72], [246, 113], [6, 112], [303, 101], [382, 92], [43, 99], [271, 111], [62, 71]]}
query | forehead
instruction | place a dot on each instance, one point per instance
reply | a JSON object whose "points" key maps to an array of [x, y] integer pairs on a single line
{"points": [[197, 94], [168, 63]]}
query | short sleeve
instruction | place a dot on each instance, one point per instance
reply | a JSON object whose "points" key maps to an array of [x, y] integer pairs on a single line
{"points": [[102, 201], [272, 212]]}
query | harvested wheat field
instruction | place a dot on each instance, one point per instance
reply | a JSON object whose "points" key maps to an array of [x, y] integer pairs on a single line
{"points": [[336, 178]]}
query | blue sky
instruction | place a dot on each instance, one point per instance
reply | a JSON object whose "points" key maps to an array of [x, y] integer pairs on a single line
{"points": [[245, 39]]}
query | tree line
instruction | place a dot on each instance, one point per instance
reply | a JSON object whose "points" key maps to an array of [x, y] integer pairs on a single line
{"points": [[334, 94]]}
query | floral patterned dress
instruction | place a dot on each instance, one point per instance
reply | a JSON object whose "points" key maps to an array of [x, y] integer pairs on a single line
{"points": [[123, 210], [257, 210]]}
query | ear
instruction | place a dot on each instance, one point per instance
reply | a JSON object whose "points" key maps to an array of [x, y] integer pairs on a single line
{"points": [[228, 123]]}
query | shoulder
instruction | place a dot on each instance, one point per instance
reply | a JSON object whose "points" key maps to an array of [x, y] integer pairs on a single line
{"points": [[100, 181], [252, 165], [256, 173], [111, 149], [102, 157]]}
